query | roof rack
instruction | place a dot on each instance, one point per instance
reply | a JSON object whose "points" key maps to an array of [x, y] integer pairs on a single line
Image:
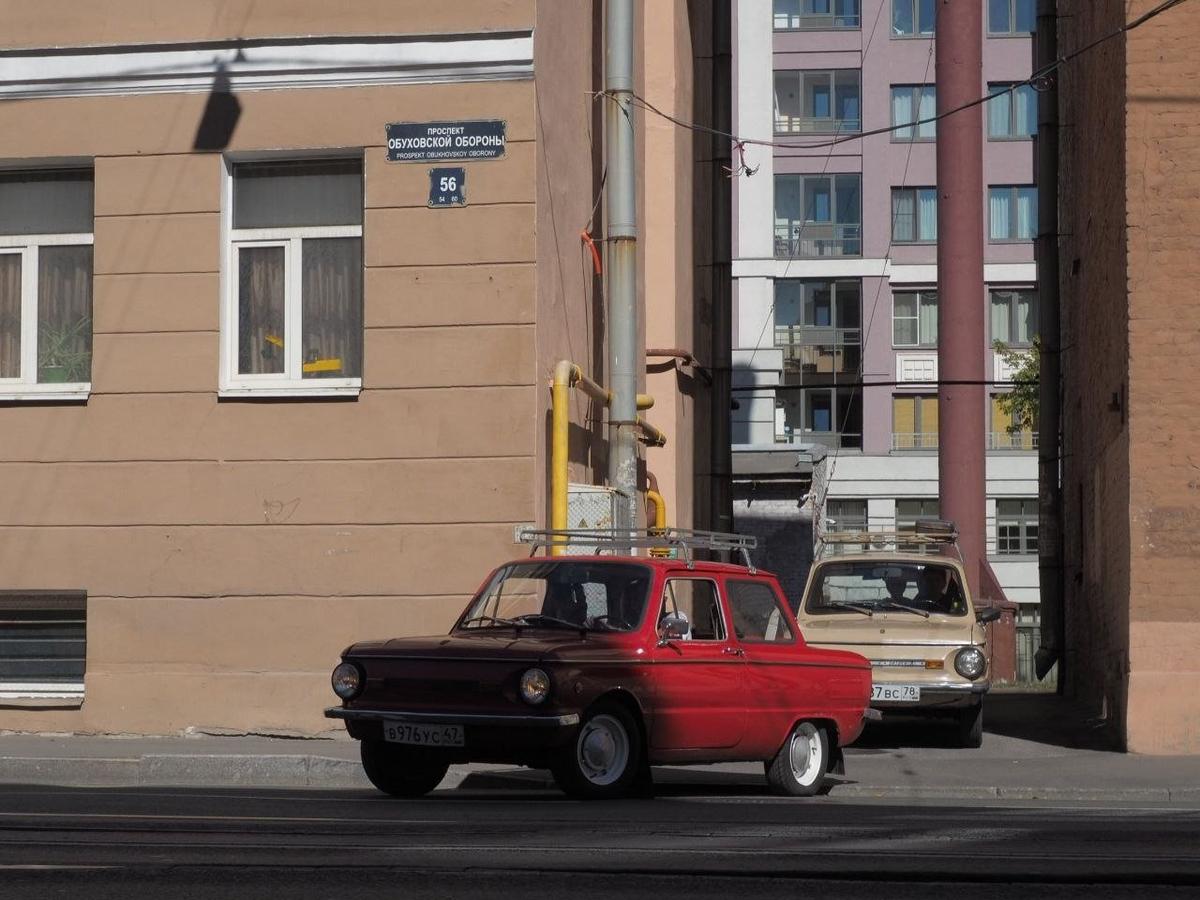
{"points": [[927, 534], [684, 540]]}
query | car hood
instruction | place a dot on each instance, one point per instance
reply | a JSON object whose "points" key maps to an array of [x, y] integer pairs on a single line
{"points": [[530, 644], [888, 628]]}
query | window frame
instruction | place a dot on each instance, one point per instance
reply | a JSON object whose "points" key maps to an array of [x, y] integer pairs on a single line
{"points": [[1012, 21], [1013, 197], [997, 88], [720, 600], [25, 386], [922, 295], [796, 227], [291, 382], [780, 606], [916, 33], [917, 91], [814, 124], [915, 192], [832, 15], [1012, 294], [1022, 521]]}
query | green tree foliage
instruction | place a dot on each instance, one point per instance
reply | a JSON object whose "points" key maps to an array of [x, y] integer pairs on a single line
{"points": [[1021, 403]]}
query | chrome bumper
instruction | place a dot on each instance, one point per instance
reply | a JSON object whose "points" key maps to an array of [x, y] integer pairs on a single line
{"points": [[944, 696], [428, 718]]}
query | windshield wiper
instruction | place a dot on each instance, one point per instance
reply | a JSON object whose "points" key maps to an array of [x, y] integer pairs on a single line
{"points": [[892, 604], [866, 611], [538, 619], [491, 619]]}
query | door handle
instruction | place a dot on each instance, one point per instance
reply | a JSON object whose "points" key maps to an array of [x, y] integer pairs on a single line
{"points": [[734, 651]]}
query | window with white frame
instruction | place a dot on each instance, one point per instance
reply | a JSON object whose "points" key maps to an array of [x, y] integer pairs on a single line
{"points": [[913, 18], [1012, 213], [1017, 527], [1012, 16], [293, 314], [914, 319], [912, 103], [46, 241], [914, 215], [1012, 112]]}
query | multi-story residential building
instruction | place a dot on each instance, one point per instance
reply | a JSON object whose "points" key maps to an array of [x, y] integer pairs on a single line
{"points": [[835, 276]]}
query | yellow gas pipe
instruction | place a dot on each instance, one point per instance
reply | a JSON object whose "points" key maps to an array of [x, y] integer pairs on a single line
{"points": [[566, 376]]}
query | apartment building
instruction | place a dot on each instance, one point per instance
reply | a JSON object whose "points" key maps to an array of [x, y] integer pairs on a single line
{"points": [[835, 276], [282, 287]]}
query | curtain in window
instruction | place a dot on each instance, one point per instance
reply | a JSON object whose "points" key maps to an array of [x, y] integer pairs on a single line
{"points": [[332, 308], [902, 17], [927, 110], [1026, 213], [902, 111], [10, 315], [64, 315], [1000, 306], [903, 216], [928, 327], [1026, 326], [904, 330], [998, 214], [927, 217], [1000, 113], [1025, 106], [260, 311]]}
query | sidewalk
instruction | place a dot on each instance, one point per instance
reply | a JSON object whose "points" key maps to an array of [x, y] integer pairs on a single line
{"points": [[1034, 751]]}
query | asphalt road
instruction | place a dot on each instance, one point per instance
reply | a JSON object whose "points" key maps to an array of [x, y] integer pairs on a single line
{"points": [[695, 841]]}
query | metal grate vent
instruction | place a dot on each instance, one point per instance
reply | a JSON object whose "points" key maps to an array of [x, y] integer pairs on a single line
{"points": [[43, 644]]}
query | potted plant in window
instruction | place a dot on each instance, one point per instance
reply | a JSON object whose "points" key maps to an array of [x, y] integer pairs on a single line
{"points": [[65, 352]]}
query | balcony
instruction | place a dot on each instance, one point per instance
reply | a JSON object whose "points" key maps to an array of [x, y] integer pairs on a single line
{"points": [[812, 240], [796, 15], [1022, 440], [785, 124], [845, 439], [920, 440], [817, 350]]}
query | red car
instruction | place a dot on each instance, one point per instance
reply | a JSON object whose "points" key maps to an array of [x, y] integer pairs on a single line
{"points": [[597, 667]]}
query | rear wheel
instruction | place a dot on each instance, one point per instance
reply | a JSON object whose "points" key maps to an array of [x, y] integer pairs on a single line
{"points": [[605, 759], [400, 771], [970, 726], [800, 766]]}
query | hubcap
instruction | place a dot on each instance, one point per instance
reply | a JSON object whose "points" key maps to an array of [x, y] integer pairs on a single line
{"points": [[805, 753], [602, 750]]}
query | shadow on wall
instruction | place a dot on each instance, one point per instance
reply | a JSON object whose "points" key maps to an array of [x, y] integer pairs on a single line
{"points": [[773, 513]]}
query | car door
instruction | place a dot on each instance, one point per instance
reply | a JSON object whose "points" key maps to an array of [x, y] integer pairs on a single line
{"points": [[698, 679], [777, 682]]}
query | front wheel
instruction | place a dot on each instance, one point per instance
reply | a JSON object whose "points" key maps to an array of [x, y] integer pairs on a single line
{"points": [[400, 771], [970, 727], [605, 759], [800, 766]]}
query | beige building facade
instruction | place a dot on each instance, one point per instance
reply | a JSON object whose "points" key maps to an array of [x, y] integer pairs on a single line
{"points": [[1129, 215], [293, 404]]}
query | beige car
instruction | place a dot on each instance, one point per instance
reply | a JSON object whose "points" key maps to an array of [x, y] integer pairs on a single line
{"points": [[909, 611]]}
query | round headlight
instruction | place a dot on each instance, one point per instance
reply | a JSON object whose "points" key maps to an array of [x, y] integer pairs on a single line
{"points": [[535, 686], [970, 662], [347, 680]]}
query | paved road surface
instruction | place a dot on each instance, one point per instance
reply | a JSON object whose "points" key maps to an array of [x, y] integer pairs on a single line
{"points": [[698, 842]]}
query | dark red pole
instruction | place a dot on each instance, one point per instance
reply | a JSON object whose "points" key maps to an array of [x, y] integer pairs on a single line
{"points": [[961, 341]]}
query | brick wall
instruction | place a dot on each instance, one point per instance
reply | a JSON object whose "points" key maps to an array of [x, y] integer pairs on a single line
{"points": [[772, 514]]}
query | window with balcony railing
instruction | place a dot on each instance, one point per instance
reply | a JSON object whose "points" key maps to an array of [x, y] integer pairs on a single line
{"points": [[829, 416], [817, 15], [818, 328], [821, 101], [1003, 436], [818, 215], [914, 422]]}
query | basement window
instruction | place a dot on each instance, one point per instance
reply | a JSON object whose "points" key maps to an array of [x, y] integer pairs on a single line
{"points": [[292, 321], [43, 648]]}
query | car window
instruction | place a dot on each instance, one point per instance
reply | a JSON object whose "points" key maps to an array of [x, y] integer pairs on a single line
{"points": [[931, 587], [697, 599], [757, 612]]}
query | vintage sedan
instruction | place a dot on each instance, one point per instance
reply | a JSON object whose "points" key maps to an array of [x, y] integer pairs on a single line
{"points": [[598, 667]]}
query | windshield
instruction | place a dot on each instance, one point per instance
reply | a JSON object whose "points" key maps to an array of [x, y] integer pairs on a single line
{"points": [[867, 587], [562, 594]]}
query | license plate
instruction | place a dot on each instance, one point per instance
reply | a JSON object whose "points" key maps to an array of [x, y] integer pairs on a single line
{"points": [[423, 735], [896, 693]]}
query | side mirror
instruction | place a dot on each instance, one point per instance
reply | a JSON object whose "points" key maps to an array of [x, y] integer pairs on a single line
{"points": [[989, 614], [673, 626]]}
